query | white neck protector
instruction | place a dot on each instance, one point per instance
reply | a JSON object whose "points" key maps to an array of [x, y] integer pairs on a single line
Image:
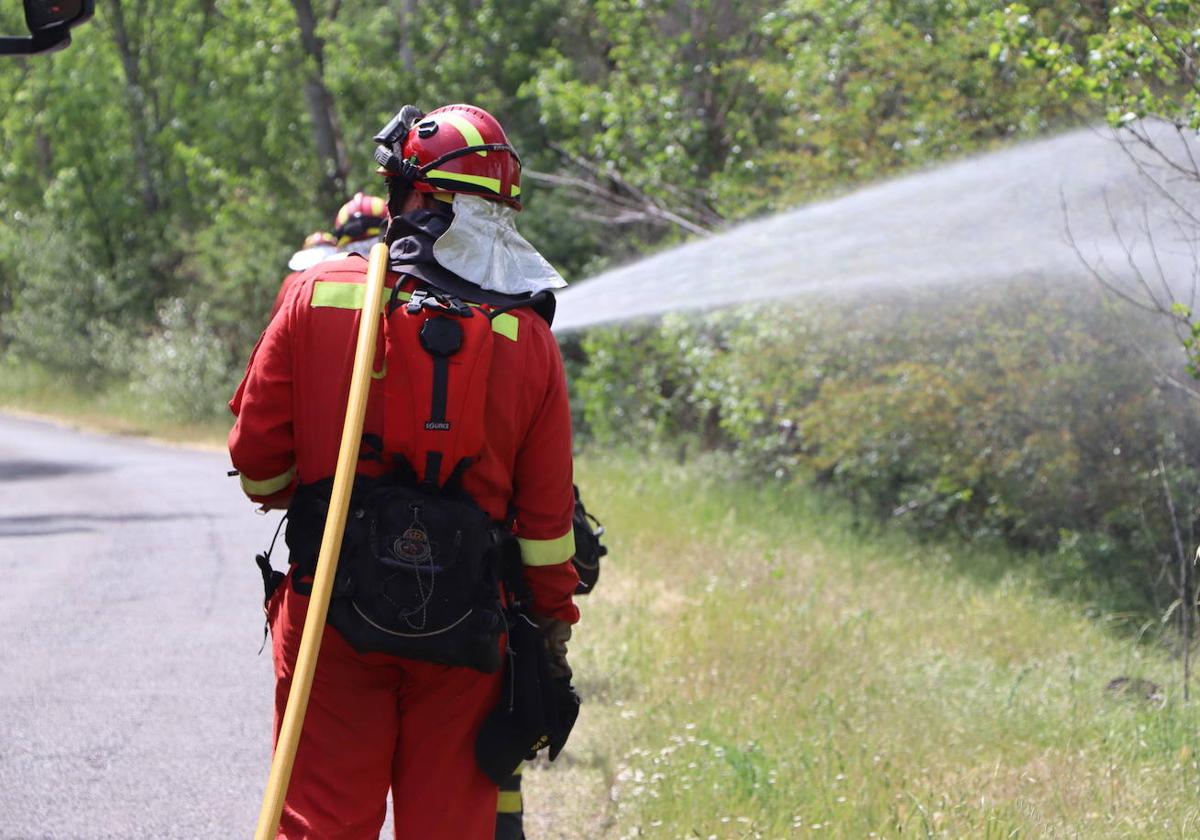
{"points": [[482, 246]]}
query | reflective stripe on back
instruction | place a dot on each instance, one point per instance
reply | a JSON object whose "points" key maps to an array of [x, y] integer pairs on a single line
{"points": [[328, 294], [506, 325], [331, 295]]}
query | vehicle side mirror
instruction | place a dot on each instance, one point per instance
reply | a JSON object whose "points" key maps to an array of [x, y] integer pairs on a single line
{"points": [[49, 23]]}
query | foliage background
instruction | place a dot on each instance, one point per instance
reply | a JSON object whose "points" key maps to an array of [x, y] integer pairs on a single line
{"points": [[1017, 415], [156, 175]]}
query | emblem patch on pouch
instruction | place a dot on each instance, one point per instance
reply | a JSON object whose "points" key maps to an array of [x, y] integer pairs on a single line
{"points": [[414, 545]]}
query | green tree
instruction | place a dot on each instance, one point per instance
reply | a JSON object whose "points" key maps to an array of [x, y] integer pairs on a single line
{"points": [[1141, 64]]}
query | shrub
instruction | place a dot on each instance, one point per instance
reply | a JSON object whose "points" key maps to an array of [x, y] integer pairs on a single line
{"points": [[183, 369], [1014, 413]]}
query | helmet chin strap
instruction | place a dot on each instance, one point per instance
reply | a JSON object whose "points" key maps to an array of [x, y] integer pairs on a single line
{"points": [[398, 191]]}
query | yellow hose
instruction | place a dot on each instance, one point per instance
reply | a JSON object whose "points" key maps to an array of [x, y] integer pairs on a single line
{"points": [[331, 545]]}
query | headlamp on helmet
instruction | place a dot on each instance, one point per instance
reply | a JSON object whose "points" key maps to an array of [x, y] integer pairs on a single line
{"points": [[391, 140]]}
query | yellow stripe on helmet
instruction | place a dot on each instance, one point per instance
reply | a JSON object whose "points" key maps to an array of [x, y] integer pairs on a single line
{"points": [[367, 234], [492, 184], [469, 132]]}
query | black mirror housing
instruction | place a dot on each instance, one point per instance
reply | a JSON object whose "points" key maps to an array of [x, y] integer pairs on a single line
{"points": [[49, 23]]}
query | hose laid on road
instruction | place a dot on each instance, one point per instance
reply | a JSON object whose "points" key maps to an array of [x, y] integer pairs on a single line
{"points": [[331, 545]]}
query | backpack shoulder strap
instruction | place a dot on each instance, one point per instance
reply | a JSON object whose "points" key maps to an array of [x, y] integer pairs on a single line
{"points": [[543, 303]]}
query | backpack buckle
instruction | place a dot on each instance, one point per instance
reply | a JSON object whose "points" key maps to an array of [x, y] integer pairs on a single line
{"points": [[416, 301], [422, 299]]}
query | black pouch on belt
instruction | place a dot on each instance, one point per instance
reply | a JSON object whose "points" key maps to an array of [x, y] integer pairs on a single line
{"points": [[417, 573], [423, 583]]}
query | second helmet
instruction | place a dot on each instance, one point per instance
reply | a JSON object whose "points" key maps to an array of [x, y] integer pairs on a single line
{"points": [[362, 217]]}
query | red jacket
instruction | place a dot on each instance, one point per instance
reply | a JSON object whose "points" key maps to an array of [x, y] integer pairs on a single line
{"points": [[291, 405], [284, 288]]}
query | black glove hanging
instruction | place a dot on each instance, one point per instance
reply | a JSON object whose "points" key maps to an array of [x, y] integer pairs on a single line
{"points": [[536, 710]]}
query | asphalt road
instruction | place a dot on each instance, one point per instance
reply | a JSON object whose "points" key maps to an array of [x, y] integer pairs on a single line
{"points": [[133, 703]]}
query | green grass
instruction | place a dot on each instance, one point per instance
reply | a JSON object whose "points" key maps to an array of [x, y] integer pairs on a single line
{"points": [[103, 406], [753, 667]]}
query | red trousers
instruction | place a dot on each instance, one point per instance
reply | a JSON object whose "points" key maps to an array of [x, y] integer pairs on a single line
{"points": [[376, 722]]}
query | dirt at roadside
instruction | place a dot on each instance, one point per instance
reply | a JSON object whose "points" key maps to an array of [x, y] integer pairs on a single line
{"points": [[570, 799]]}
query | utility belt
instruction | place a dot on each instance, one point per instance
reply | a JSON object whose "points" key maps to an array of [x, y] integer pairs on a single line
{"points": [[419, 571]]}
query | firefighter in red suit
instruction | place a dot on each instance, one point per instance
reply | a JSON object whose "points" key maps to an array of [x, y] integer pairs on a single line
{"points": [[357, 226], [377, 722], [318, 246]]}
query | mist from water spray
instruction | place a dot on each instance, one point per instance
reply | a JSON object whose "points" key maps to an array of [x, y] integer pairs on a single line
{"points": [[1048, 209]]}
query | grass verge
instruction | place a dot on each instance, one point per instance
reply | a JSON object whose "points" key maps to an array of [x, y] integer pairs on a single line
{"points": [[755, 668], [101, 406]]}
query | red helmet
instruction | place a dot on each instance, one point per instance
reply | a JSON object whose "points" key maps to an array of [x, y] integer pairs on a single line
{"points": [[320, 237], [454, 149], [360, 218]]}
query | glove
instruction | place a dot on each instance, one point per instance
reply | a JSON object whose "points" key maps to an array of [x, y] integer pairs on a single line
{"points": [[555, 635], [560, 702]]}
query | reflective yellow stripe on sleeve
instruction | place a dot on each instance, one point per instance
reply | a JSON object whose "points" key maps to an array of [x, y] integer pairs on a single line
{"points": [[268, 486], [547, 552]]}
